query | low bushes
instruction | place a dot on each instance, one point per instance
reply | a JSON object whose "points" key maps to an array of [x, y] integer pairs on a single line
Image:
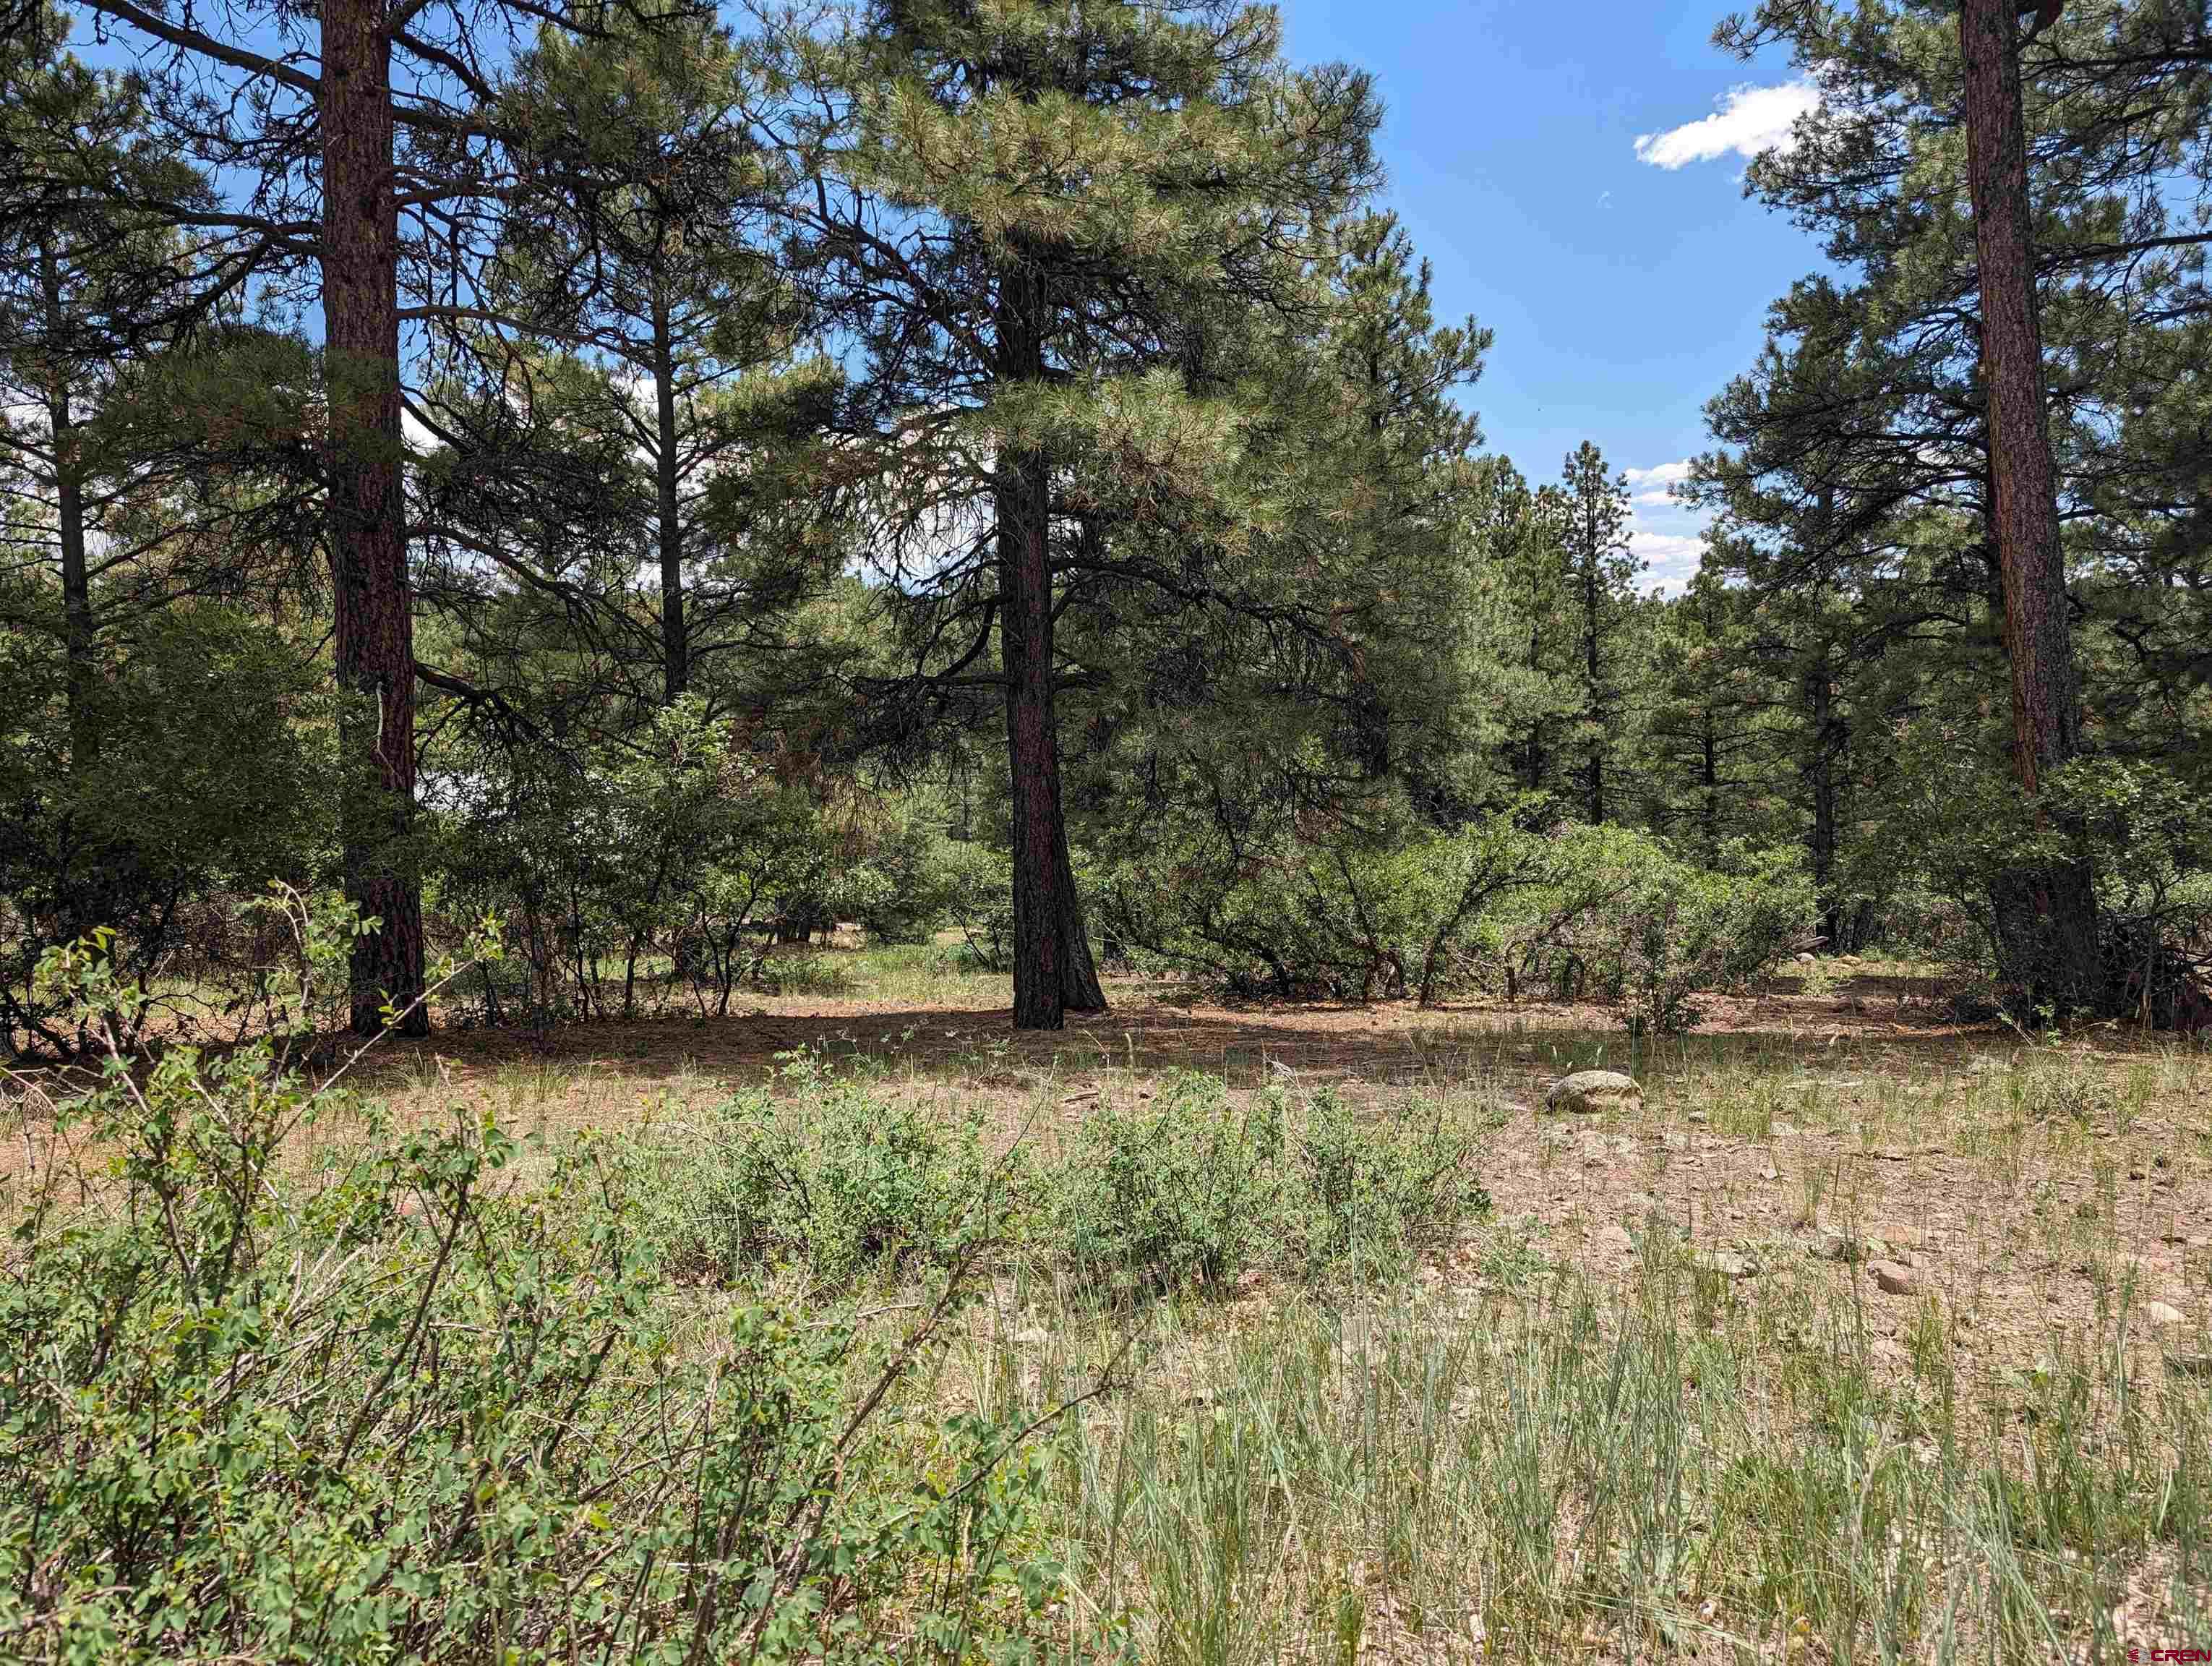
{"points": [[1192, 1189], [402, 1408], [439, 1395], [1372, 1195], [1603, 914], [1184, 1188], [660, 872], [1628, 925], [827, 1179]]}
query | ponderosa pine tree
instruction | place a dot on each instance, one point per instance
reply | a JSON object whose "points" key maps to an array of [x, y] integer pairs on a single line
{"points": [[156, 734], [88, 287], [1703, 729], [2047, 911], [116, 309], [1601, 581], [363, 149], [1029, 216], [1524, 533], [1873, 397], [642, 235], [1337, 688]]}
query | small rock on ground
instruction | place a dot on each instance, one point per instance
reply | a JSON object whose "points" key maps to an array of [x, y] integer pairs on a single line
{"points": [[1892, 1276], [2162, 1313], [1727, 1264], [1588, 1091]]}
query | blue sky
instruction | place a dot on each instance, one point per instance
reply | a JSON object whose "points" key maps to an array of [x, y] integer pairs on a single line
{"points": [[1574, 173], [1626, 282]]}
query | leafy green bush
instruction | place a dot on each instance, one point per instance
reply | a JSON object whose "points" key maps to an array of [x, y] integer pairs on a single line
{"points": [[1348, 912], [659, 870], [198, 765], [398, 1407], [1630, 925], [1393, 910], [1193, 1189], [1184, 1191], [1370, 1193], [826, 1175], [980, 895]]}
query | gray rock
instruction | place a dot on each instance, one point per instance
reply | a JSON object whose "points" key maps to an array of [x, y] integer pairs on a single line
{"points": [[2163, 1313], [1588, 1091], [1727, 1264]]}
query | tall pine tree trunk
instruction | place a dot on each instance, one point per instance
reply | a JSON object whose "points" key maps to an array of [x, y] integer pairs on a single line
{"points": [[1594, 769], [2047, 912], [1821, 780], [1053, 967], [374, 621], [69, 507], [675, 647]]}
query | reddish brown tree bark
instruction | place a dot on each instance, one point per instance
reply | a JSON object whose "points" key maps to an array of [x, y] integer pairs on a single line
{"points": [[2046, 913], [374, 614], [1053, 967]]}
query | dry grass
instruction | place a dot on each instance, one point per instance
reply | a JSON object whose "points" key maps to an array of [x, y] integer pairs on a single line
{"points": [[1656, 1405]]}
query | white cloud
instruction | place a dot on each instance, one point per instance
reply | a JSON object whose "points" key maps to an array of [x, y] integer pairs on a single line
{"points": [[1670, 558], [1650, 486], [1748, 119]]}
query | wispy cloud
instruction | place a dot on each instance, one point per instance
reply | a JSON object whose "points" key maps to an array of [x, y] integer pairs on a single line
{"points": [[1651, 485], [1749, 120]]}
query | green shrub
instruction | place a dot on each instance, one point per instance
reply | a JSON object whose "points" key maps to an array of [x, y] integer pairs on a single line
{"points": [[980, 894], [400, 1409], [825, 1176], [1370, 1193], [1193, 1189], [1344, 911], [1630, 925], [214, 770], [1396, 910], [1186, 1191], [798, 970]]}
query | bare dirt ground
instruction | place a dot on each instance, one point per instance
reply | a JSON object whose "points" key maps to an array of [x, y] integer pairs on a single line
{"points": [[1794, 1137], [2025, 1186]]}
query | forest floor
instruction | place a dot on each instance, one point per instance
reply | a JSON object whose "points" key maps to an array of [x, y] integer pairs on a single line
{"points": [[1867, 1335], [2041, 1212], [2026, 1184]]}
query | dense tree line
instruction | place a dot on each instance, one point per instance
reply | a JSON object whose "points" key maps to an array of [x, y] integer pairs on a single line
{"points": [[672, 479]]}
